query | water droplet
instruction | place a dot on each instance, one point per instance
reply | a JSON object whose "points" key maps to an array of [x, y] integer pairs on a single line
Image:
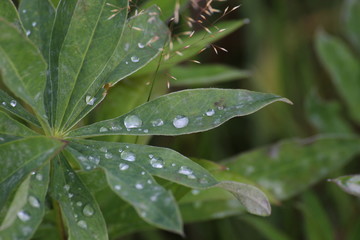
{"points": [[140, 45], [221, 107], [33, 24], [126, 62], [153, 198], [139, 186], [79, 204], [70, 195], [34, 202], [128, 156], [191, 176], [103, 149], [39, 177], [116, 128], [204, 181], [142, 173], [3, 103], [210, 112], [23, 216], [180, 121], [82, 224], [94, 160], [127, 46], [117, 187], [88, 210], [103, 129], [173, 165], [132, 121], [149, 181], [13, 103], [135, 59], [195, 192], [28, 32], [185, 170], [108, 155], [123, 166], [146, 130], [90, 100], [67, 187], [157, 162], [157, 123]]}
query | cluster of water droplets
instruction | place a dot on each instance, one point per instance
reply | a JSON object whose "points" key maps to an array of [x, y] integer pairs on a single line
{"points": [[12, 103]]}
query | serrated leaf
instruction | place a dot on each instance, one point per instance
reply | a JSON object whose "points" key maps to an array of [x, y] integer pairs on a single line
{"points": [[83, 43], [79, 208], [190, 46], [287, 168], [12, 127], [9, 13], [22, 67], [333, 54], [10, 104], [182, 112], [143, 38], [37, 17], [350, 184], [194, 75], [20, 157], [352, 19], [28, 207]]}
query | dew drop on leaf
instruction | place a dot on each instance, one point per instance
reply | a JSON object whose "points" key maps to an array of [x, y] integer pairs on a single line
{"points": [[13, 103], [123, 166], [117, 187], [28, 32], [90, 100], [140, 45], [23, 216], [82, 224], [128, 156], [139, 186], [185, 170], [33, 24], [108, 155], [103, 129], [34, 202], [67, 187], [180, 121], [210, 112], [132, 121], [79, 204], [157, 123], [135, 59], [157, 162], [39, 177], [88, 210]]}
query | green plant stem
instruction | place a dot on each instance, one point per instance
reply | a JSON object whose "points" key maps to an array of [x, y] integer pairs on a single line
{"points": [[58, 219]]}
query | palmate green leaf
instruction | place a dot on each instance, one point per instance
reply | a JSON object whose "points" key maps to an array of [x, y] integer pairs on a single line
{"points": [[344, 69], [37, 17], [350, 184], [289, 167], [191, 75], [143, 38], [22, 67], [20, 157], [10, 104], [9, 13], [182, 112], [83, 45], [79, 208], [28, 207], [12, 127], [190, 47], [352, 19]]}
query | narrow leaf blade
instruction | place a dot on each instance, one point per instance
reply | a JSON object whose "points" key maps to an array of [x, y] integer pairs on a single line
{"points": [[182, 112], [9, 13], [12, 127], [350, 184], [352, 18]]}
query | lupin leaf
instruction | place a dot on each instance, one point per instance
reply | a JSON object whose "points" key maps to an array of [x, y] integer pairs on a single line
{"points": [[350, 184], [182, 112], [352, 18], [12, 127], [9, 13], [27, 208], [79, 208]]}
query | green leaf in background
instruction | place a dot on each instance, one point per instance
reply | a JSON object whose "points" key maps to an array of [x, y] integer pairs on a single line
{"points": [[20, 157], [344, 69], [352, 19], [182, 112], [289, 167], [350, 184], [22, 67], [190, 46], [28, 207], [37, 17], [167, 7], [209, 74], [9, 13], [143, 38], [10, 104], [79, 208], [12, 127], [317, 224]]}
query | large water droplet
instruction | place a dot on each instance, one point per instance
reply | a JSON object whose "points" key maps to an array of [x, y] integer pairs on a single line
{"points": [[210, 112], [157, 162], [13, 103], [88, 210], [185, 170], [82, 224], [140, 45], [34, 202], [123, 166], [103, 129], [157, 123], [135, 59], [180, 121], [108, 155], [23, 216], [128, 156], [132, 121], [90, 100]]}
